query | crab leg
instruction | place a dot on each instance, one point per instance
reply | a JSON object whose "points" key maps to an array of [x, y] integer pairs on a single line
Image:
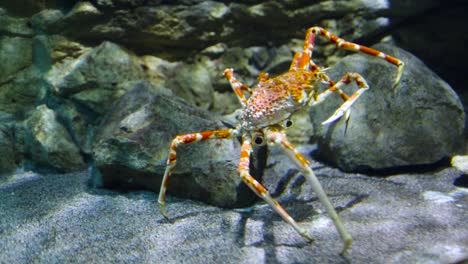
{"points": [[342, 44], [345, 107], [298, 61], [171, 160], [237, 86], [279, 138], [261, 191]]}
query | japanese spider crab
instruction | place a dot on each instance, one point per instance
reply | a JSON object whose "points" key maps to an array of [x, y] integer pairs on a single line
{"points": [[266, 111]]}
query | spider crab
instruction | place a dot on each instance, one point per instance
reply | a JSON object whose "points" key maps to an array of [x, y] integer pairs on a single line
{"points": [[266, 111]]}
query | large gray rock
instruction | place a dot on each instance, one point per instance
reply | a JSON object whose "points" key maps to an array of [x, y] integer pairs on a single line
{"points": [[193, 83], [97, 78], [19, 94], [419, 218], [421, 123], [132, 146], [80, 124], [13, 60], [49, 144]]}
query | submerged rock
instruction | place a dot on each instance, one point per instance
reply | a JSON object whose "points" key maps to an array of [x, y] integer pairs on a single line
{"points": [[49, 143], [132, 146], [19, 94], [96, 78], [193, 83], [420, 123], [14, 61]]}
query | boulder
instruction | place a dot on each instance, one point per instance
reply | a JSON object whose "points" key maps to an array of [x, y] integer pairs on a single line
{"points": [[13, 60], [97, 78], [132, 146], [19, 95], [420, 123], [49, 144], [193, 83], [80, 124]]}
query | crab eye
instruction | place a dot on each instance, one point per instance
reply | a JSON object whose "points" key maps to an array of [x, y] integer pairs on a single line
{"points": [[258, 140], [287, 123]]}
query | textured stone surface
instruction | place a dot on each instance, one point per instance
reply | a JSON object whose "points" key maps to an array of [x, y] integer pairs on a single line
{"points": [[421, 123], [14, 61], [176, 29], [19, 93], [132, 146], [97, 78], [400, 219], [49, 143]]}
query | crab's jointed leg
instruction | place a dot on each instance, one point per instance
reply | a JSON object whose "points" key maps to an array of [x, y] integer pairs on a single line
{"points": [[277, 137], [342, 44], [300, 61], [237, 86], [261, 191], [172, 159], [349, 101]]}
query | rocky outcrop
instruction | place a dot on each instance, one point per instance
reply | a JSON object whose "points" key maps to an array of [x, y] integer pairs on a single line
{"points": [[132, 146], [421, 122], [49, 143], [97, 78]]}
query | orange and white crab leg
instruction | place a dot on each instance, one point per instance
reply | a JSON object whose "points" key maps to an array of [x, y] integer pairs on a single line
{"points": [[303, 60], [345, 107], [172, 159], [277, 137], [237, 86], [261, 191], [342, 44]]}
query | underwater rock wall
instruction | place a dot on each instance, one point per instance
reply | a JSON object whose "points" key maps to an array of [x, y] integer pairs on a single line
{"points": [[82, 62]]}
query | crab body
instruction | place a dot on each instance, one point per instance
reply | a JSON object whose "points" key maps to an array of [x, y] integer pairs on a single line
{"points": [[269, 104], [276, 99]]}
